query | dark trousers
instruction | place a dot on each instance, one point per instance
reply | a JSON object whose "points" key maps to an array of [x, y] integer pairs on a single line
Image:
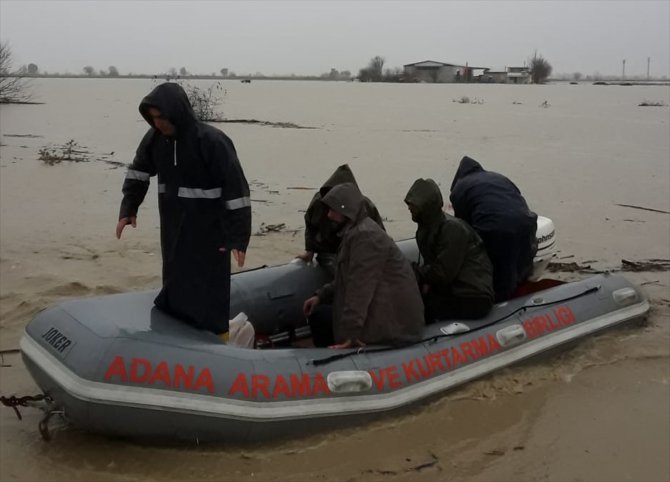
{"points": [[321, 325], [455, 308], [511, 255]]}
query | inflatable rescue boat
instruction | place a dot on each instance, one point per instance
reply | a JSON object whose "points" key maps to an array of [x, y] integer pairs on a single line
{"points": [[117, 365]]}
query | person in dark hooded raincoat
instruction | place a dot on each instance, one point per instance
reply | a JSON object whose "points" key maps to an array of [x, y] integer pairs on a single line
{"points": [[320, 236], [456, 275], [204, 206], [495, 208], [375, 297]]}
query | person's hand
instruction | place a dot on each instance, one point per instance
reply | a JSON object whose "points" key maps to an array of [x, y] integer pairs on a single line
{"points": [[307, 256], [309, 305], [348, 344], [123, 222], [238, 254]]}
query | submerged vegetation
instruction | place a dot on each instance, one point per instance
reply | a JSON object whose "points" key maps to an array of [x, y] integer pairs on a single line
{"points": [[649, 103], [466, 100], [206, 102], [70, 151]]}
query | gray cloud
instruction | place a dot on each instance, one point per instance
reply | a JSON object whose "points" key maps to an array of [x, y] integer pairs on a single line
{"points": [[310, 37]]}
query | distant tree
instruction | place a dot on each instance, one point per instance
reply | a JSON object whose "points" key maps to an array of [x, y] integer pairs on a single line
{"points": [[540, 68], [393, 75], [13, 87], [113, 71], [334, 74], [183, 72], [88, 70], [33, 69], [224, 72], [103, 73], [374, 70], [345, 74], [172, 72]]}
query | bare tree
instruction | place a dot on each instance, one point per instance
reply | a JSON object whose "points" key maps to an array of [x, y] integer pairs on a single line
{"points": [[376, 67], [394, 75], [183, 72], [374, 71], [14, 89], [33, 69], [205, 102], [88, 70], [540, 68], [113, 71]]}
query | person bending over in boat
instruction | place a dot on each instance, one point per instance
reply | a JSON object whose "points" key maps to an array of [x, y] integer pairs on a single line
{"points": [[320, 235], [374, 296], [495, 208], [456, 276], [204, 206]]}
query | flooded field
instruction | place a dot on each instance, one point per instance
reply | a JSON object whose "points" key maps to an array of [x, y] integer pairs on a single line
{"points": [[589, 157]]}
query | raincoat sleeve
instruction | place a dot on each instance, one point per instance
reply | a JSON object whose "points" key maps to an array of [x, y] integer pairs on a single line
{"points": [[451, 250], [312, 223], [365, 267], [236, 212], [136, 184]]}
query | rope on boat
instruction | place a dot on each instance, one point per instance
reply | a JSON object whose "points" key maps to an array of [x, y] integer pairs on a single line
{"points": [[588, 291], [42, 402], [435, 338], [14, 402]]}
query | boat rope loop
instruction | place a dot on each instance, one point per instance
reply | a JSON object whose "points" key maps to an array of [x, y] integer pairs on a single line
{"points": [[339, 356], [588, 291], [14, 402], [42, 402], [435, 338]]}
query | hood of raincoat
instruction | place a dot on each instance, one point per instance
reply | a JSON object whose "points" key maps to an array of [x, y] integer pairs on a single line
{"points": [[467, 166], [341, 175], [347, 200], [425, 195], [172, 101]]}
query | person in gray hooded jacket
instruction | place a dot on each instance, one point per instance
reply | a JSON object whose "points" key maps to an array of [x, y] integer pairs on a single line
{"points": [[204, 206], [375, 297]]}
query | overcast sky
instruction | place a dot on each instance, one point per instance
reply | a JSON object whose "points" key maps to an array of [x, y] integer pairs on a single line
{"points": [[311, 37]]}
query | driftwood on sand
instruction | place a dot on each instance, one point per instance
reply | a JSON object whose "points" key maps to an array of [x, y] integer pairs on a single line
{"points": [[643, 208]]}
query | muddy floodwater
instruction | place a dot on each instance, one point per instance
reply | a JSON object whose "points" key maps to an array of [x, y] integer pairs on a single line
{"points": [[588, 157]]}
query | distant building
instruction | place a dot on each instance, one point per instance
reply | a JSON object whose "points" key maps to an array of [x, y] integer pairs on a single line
{"points": [[432, 71], [441, 72], [507, 75], [518, 75]]}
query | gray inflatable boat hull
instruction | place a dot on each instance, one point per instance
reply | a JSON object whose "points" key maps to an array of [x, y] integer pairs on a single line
{"points": [[116, 365]]}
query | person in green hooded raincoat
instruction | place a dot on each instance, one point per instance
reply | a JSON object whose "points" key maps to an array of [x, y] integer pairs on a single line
{"points": [[456, 278]]}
